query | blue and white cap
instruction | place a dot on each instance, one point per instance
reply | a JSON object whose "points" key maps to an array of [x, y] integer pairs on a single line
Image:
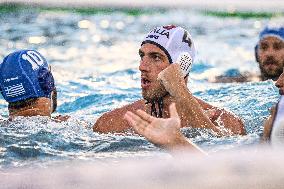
{"points": [[25, 74], [275, 32], [177, 44]]}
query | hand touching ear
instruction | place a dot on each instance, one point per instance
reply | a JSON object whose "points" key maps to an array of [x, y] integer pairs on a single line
{"points": [[172, 79]]}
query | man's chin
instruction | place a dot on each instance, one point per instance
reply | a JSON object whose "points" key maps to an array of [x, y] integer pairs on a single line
{"points": [[149, 97], [153, 95], [146, 94], [271, 74]]}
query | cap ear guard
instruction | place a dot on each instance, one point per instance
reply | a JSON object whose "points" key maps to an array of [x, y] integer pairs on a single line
{"points": [[46, 81], [256, 53], [185, 62]]}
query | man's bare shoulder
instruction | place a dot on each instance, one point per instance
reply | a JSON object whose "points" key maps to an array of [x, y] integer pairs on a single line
{"points": [[228, 119], [113, 121]]}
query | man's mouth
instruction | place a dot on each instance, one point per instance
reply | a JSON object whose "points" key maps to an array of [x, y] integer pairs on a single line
{"points": [[145, 83], [270, 62], [270, 65]]}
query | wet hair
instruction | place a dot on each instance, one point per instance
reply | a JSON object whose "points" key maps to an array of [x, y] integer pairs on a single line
{"points": [[22, 103]]}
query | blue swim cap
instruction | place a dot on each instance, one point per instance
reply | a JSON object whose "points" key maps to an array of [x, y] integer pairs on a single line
{"points": [[275, 32], [25, 74]]}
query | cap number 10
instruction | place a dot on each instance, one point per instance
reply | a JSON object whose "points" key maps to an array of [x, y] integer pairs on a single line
{"points": [[34, 59]]}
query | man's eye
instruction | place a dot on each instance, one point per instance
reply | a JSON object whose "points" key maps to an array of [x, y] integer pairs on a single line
{"points": [[263, 46], [141, 55], [278, 46], [156, 58]]}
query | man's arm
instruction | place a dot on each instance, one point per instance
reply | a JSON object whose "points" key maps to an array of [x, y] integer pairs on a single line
{"points": [[222, 117], [191, 109], [113, 121]]}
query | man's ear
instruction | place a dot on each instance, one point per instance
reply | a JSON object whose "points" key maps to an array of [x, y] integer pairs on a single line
{"points": [[256, 53], [53, 100]]}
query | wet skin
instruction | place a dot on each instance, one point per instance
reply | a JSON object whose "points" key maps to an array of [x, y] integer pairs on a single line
{"points": [[152, 61]]}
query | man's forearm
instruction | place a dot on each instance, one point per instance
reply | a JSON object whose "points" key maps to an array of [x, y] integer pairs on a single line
{"points": [[191, 111], [181, 143]]}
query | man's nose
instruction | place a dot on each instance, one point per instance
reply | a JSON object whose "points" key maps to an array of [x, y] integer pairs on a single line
{"points": [[144, 65], [270, 52]]}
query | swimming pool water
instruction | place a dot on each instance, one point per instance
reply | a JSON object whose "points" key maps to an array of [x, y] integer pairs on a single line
{"points": [[94, 59]]}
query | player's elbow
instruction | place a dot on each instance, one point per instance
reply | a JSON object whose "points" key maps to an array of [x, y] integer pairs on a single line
{"points": [[100, 125], [240, 127], [235, 124]]}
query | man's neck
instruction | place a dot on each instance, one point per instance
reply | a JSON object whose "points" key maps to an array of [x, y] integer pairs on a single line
{"points": [[40, 108], [264, 78], [167, 100]]}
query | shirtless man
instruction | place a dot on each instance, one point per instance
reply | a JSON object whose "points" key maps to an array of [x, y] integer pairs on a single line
{"points": [[27, 84], [166, 55], [269, 53], [166, 133]]}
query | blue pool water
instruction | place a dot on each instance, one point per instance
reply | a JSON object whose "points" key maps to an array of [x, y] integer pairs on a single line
{"points": [[94, 59]]}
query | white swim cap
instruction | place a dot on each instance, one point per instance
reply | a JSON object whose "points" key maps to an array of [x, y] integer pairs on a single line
{"points": [[177, 44]]}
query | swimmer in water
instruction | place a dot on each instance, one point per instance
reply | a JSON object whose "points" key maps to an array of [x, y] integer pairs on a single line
{"points": [[27, 84], [166, 133], [166, 54], [269, 54]]}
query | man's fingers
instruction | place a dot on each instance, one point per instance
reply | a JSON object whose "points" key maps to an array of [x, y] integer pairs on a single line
{"points": [[129, 119], [136, 122], [145, 116], [161, 75], [173, 111]]}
